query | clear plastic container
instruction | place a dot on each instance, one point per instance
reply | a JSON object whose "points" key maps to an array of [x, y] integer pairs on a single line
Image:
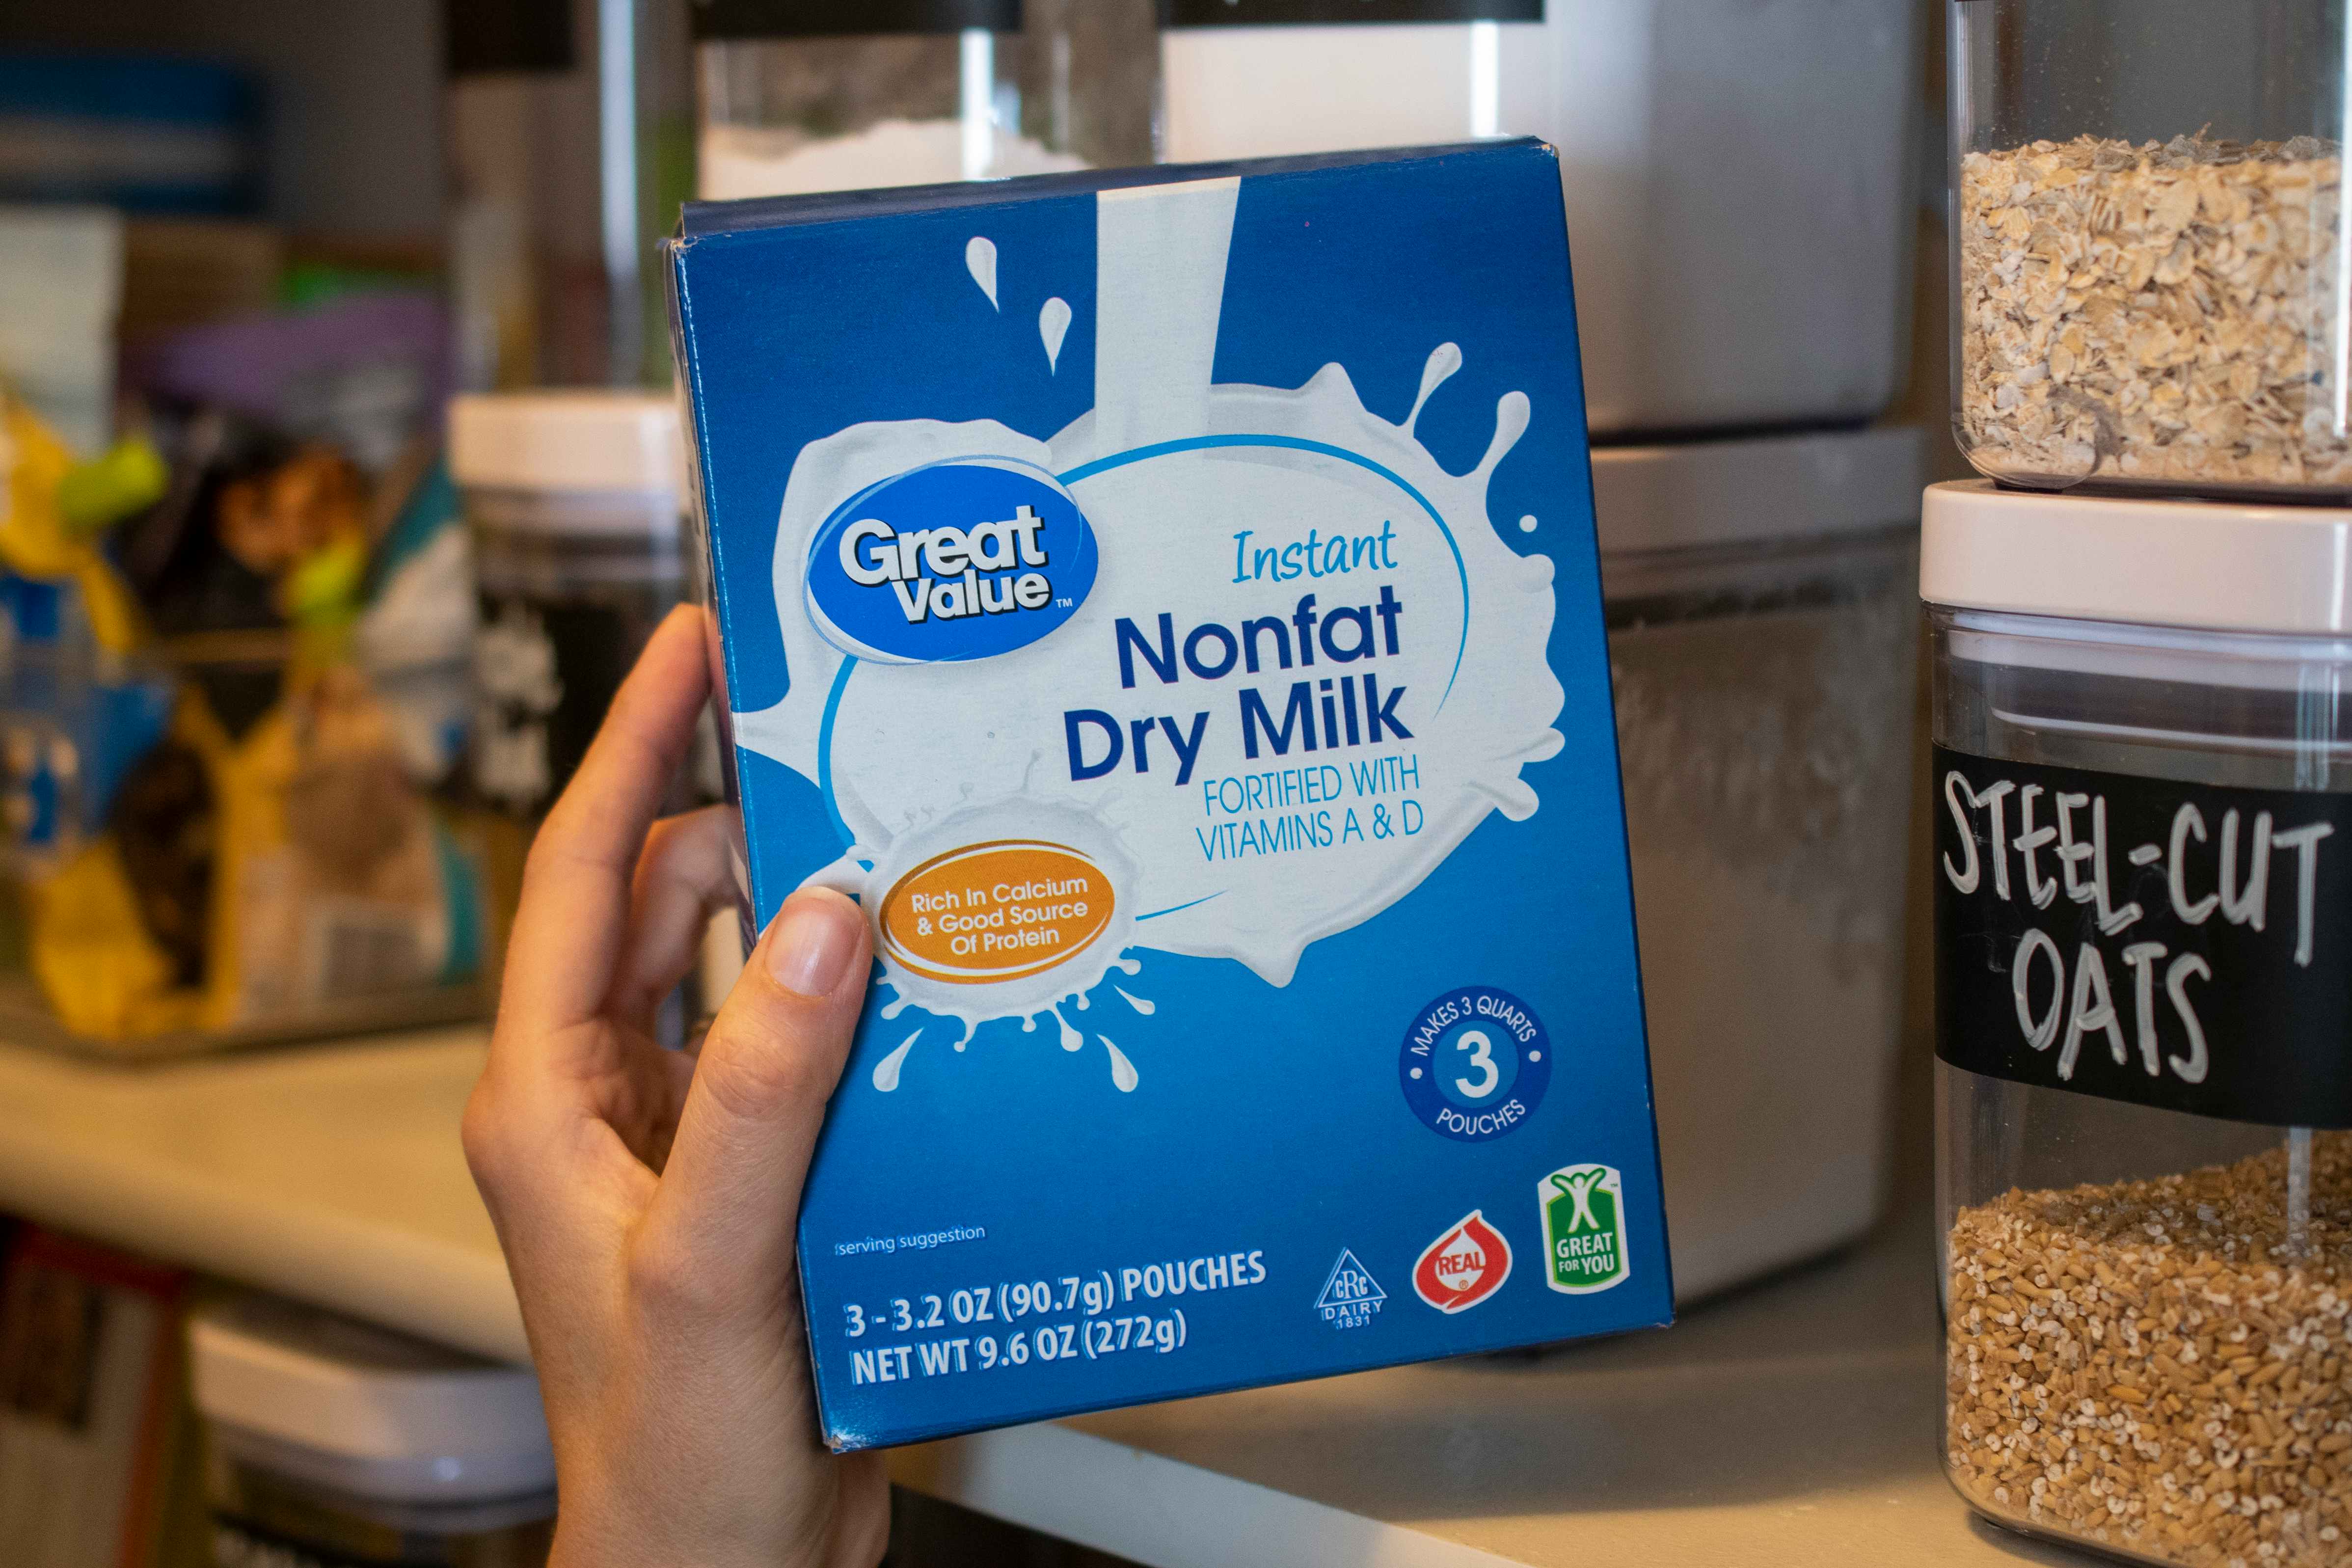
{"points": [[1678, 121], [2150, 246], [2142, 870], [1249, 78], [329, 1441], [574, 502], [911, 92], [1762, 626]]}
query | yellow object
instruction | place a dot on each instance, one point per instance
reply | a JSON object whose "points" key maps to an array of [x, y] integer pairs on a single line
{"points": [[329, 884], [325, 586], [129, 476], [101, 972], [35, 538], [103, 975], [320, 594]]}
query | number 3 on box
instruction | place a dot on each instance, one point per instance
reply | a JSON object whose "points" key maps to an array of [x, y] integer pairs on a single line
{"points": [[1481, 1058]]}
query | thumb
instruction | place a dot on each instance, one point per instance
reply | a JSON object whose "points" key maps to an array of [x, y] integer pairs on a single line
{"points": [[729, 1194]]}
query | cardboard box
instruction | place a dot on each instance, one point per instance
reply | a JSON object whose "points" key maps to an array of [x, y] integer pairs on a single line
{"points": [[1168, 600]]}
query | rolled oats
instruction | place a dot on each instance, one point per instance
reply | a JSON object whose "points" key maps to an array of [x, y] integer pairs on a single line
{"points": [[2157, 314], [2142, 1363]]}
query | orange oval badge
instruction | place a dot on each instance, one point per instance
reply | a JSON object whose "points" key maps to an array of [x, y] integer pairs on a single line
{"points": [[996, 911]]}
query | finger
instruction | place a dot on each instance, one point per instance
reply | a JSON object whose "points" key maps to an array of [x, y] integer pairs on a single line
{"points": [[724, 1213], [574, 911], [685, 875]]}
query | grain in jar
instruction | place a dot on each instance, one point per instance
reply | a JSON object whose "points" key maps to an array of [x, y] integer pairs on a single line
{"points": [[2148, 247], [2142, 874]]}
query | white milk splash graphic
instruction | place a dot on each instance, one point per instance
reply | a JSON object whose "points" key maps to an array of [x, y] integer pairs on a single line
{"points": [[1053, 326], [922, 762], [980, 260]]}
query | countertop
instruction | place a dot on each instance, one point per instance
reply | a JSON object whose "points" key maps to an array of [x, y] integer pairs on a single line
{"points": [[330, 1173], [1793, 1423]]}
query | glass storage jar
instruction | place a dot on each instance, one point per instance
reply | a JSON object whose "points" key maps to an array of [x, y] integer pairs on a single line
{"points": [[1248, 78], [574, 501], [2142, 869], [1762, 627], [849, 94], [573, 505], [2150, 245]]}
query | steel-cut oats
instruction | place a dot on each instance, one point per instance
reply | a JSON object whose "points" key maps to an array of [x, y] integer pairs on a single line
{"points": [[2156, 314], [2144, 1366]]}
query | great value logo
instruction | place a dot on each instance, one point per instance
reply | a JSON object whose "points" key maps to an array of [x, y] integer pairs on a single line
{"points": [[950, 562]]}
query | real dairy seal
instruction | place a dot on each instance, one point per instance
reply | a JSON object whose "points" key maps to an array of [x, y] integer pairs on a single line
{"points": [[1167, 600]]}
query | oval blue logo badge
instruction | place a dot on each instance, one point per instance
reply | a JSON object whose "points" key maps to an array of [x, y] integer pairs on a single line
{"points": [[960, 560]]}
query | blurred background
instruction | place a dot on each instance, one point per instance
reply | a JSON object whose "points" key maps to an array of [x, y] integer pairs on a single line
{"points": [[340, 479]]}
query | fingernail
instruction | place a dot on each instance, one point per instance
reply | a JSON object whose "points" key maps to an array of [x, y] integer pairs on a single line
{"points": [[810, 948]]}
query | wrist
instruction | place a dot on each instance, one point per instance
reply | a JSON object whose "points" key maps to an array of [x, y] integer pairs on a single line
{"points": [[584, 1543], [589, 1539]]}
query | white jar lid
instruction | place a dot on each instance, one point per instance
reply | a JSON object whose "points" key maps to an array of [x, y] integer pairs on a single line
{"points": [[2208, 565], [1757, 489], [363, 1410], [569, 439]]}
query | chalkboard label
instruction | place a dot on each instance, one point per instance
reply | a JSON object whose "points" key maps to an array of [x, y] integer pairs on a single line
{"points": [[2186, 946], [1242, 13]]}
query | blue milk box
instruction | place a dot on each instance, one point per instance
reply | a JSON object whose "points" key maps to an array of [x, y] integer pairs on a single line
{"points": [[1168, 601]]}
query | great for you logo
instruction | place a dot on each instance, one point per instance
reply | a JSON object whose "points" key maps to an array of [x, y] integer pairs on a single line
{"points": [[950, 562]]}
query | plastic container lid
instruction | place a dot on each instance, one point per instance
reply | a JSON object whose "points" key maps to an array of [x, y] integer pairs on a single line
{"points": [[364, 1411], [573, 440], [2196, 565], [1757, 489]]}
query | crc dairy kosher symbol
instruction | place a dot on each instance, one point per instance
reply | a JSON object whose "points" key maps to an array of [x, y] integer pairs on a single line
{"points": [[1216, 670], [1352, 1298], [1464, 1266]]}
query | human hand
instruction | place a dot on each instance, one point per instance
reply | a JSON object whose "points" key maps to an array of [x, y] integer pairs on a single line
{"points": [[646, 1199]]}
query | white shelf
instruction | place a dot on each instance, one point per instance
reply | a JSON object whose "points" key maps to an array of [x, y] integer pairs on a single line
{"points": [[1793, 1425], [330, 1173]]}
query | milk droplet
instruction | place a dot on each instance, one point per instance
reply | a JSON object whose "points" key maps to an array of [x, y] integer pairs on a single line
{"points": [[1510, 424], [896, 1005], [1132, 965], [1123, 1071], [1138, 1002], [1029, 1026], [980, 260], [1053, 326], [1071, 1038], [886, 1071], [1444, 361], [1083, 1002], [1528, 523]]}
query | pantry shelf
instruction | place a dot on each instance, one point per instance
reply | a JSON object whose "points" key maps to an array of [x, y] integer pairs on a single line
{"points": [[1791, 1423]]}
